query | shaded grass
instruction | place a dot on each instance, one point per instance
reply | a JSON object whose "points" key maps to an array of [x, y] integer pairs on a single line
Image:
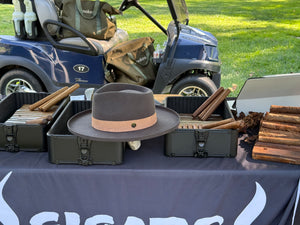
{"points": [[256, 37]]}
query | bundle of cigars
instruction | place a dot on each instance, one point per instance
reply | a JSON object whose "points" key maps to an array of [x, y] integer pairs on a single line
{"points": [[46, 103], [279, 135], [203, 117], [41, 111]]}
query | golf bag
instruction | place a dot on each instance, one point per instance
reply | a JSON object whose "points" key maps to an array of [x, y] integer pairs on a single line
{"points": [[131, 62]]}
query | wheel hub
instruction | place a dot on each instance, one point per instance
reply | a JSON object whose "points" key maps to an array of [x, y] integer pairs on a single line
{"points": [[18, 85], [193, 91]]}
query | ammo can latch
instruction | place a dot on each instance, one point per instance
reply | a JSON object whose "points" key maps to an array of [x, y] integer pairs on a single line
{"points": [[85, 151], [200, 138], [11, 138]]}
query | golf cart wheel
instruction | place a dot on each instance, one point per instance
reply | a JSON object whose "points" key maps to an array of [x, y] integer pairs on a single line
{"points": [[194, 86], [19, 81]]}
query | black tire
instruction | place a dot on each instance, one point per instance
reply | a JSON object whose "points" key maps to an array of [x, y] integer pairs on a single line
{"points": [[194, 86], [19, 81]]}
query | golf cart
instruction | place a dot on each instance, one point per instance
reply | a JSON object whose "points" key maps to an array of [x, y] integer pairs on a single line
{"points": [[36, 60]]}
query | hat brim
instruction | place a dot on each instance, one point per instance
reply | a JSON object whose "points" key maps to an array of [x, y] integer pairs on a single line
{"points": [[81, 125]]}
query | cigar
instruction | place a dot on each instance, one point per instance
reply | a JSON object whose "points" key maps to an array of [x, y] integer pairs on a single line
{"points": [[207, 102], [58, 98], [217, 123], [277, 133], [286, 118], [280, 140], [43, 100], [284, 109], [233, 125], [280, 126], [278, 146], [214, 105]]}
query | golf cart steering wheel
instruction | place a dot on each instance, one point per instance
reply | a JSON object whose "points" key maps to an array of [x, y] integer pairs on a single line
{"points": [[127, 4]]}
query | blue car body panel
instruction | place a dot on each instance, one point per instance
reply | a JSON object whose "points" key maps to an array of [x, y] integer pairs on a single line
{"points": [[196, 44], [61, 66]]}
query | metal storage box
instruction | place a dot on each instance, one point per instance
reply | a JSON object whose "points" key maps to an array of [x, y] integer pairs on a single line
{"points": [[200, 142], [23, 137], [66, 148]]}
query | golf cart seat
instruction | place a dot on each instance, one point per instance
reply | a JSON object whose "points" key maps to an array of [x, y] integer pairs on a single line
{"points": [[102, 46], [49, 20]]}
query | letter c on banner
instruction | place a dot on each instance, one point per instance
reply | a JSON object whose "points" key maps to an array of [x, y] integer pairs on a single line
{"points": [[210, 220], [99, 219], [43, 217], [168, 221], [132, 220]]}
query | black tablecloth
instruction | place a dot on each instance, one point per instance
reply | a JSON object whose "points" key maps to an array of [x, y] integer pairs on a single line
{"points": [[148, 188]]}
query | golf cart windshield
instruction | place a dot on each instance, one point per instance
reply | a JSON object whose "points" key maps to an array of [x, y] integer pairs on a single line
{"points": [[179, 11]]}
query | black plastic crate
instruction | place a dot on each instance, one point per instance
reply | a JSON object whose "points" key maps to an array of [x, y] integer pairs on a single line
{"points": [[66, 148], [23, 137], [200, 142]]}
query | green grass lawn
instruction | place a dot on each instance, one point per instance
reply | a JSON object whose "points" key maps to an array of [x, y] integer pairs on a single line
{"points": [[256, 37]]}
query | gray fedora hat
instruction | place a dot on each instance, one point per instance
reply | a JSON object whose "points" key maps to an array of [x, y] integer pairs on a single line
{"points": [[123, 112]]}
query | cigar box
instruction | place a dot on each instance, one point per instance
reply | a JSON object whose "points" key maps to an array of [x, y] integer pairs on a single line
{"points": [[200, 142], [15, 134], [66, 148]]}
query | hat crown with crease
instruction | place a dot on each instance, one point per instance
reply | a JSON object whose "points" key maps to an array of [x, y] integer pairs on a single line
{"points": [[127, 107]]}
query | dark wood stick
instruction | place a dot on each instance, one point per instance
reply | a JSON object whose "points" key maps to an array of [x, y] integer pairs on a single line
{"points": [[217, 123], [58, 98], [207, 102], [286, 118], [280, 140], [233, 125], [47, 98], [280, 126], [277, 133], [214, 105], [284, 109], [276, 152]]}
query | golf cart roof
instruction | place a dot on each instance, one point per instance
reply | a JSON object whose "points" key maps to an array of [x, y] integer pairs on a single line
{"points": [[179, 11]]}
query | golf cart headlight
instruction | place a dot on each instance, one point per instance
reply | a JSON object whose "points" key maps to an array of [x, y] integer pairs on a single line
{"points": [[212, 52]]}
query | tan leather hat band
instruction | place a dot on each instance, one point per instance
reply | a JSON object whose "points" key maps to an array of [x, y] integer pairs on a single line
{"points": [[124, 126]]}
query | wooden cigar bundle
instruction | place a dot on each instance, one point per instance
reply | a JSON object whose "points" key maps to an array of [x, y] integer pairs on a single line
{"points": [[284, 109], [47, 98], [279, 135], [276, 152], [214, 105], [58, 98], [207, 102]]}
